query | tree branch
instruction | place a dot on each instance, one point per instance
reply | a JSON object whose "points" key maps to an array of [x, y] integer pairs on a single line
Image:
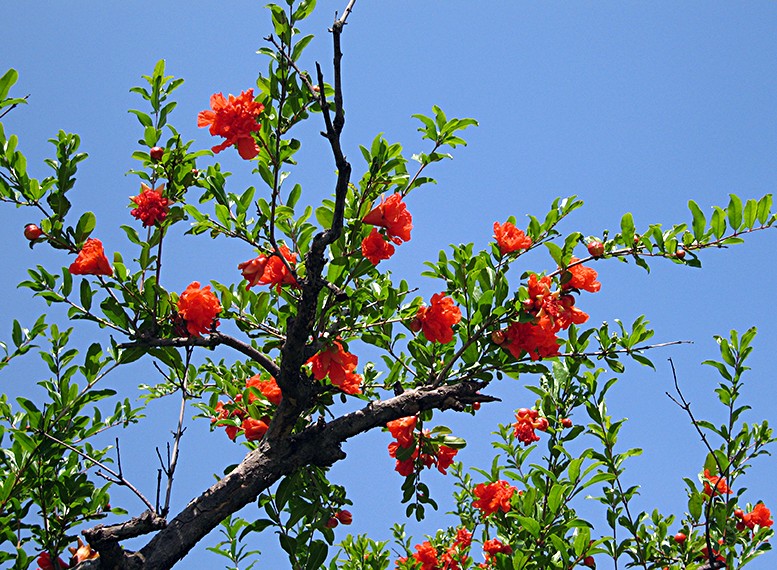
{"points": [[319, 444]]}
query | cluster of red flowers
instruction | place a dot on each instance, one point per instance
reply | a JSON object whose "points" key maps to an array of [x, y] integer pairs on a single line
{"points": [[339, 365], [430, 559], [91, 260], [152, 206], [412, 446], [437, 320], [270, 270], [526, 422], [392, 215], [760, 516], [493, 497], [509, 238], [550, 311], [198, 308], [238, 416], [235, 119]]}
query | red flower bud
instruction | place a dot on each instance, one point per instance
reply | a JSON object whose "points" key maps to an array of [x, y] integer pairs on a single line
{"points": [[157, 153], [566, 422], [596, 248], [739, 513], [331, 523], [680, 253], [415, 325], [680, 537], [32, 232], [589, 561], [344, 517]]}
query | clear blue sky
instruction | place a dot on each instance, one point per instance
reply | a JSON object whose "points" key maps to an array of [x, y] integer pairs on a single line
{"points": [[632, 106]]}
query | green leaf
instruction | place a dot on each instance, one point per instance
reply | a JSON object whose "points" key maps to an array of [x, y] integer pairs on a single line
{"points": [[699, 221], [85, 226], [6, 82], [735, 212], [317, 552], [627, 229]]}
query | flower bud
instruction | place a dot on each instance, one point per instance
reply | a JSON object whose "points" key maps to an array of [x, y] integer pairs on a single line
{"points": [[32, 232], [157, 153]]}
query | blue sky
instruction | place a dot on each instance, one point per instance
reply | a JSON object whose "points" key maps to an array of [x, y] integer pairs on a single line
{"points": [[633, 107]]}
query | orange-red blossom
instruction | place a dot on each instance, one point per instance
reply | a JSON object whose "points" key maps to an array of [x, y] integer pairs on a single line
{"points": [[339, 365], [198, 308], [269, 270], [509, 238], [376, 248], [91, 260], [392, 214], [716, 482], [235, 119], [526, 422], [493, 497], [438, 319], [152, 206]]}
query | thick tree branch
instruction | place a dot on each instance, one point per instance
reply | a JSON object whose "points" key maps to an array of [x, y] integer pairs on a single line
{"points": [[320, 444], [296, 386]]}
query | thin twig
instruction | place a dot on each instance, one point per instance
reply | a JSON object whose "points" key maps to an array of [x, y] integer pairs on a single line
{"points": [[118, 477]]}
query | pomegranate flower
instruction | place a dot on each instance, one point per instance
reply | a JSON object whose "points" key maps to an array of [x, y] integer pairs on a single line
{"points": [[339, 365], [438, 319], [537, 339], [198, 307], [152, 206], [235, 119], [392, 214], [269, 270], [716, 482], [91, 260], [509, 238], [527, 422], [760, 516], [376, 248], [268, 387], [582, 277], [493, 497]]}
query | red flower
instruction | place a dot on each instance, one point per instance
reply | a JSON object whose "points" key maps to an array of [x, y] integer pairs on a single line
{"points": [[375, 247], [426, 554], [255, 429], [402, 430], [269, 270], [582, 278], [198, 307], [463, 537], [339, 366], [527, 422], [538, 339], [392, 214], [559, 309], [268, 387], [509, 238], [45, 562], [437, 320], [152, 207], [719, 483], [91, 260], [760, 516], [494, 546], [493, 497], [234, 119], [445, 457], [223, 414]]}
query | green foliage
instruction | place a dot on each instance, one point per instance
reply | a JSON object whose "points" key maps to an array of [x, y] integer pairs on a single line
{"points": [[340, 300]]}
